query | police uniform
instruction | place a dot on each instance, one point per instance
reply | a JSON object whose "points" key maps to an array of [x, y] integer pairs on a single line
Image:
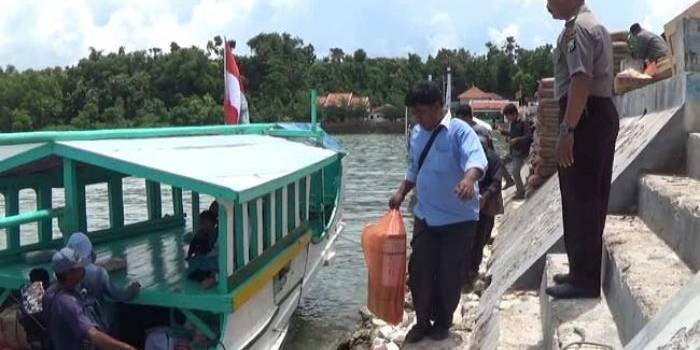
{"points": [[585, 47]]}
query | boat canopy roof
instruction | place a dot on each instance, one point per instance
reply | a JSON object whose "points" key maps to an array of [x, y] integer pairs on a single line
{"points": [[236, 167]]}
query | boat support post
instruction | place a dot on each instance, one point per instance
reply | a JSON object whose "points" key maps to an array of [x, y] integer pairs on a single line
{"points": [[199, 323]]}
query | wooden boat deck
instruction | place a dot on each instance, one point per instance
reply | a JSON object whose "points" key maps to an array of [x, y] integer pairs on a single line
{"points": [[154, 260]]}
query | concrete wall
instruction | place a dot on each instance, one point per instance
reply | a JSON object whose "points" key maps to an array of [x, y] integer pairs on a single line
{"points": [[694, 156], [654, 121]]}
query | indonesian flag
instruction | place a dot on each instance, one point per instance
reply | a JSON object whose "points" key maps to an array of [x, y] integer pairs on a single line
{"points": [[232, 86]]}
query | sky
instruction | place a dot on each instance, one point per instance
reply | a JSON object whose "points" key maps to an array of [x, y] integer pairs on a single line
{"points": [[46, 33]]}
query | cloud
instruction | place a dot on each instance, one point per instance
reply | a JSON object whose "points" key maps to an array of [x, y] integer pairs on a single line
{"points": [[443, 33], [41, 33], [500, 36], [658, 13], [525, 3]]}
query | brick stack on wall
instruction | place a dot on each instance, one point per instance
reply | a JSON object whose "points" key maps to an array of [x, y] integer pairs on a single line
{"points": [[543, 160]]}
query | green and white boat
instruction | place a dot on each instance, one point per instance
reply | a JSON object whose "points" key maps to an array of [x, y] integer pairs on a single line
{"points": [[279, 189]]}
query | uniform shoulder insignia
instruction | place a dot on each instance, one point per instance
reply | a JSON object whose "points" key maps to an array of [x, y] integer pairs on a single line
{"points": [[569, 34], [570, 38]]}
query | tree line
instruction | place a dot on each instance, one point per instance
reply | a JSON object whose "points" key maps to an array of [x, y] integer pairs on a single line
{"points": [[184, 86]]}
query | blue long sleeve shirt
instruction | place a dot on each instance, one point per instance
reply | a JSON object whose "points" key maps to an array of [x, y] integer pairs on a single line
{"points": [[455, 150]]}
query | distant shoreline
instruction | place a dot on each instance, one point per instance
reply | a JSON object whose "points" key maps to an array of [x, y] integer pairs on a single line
{"points": [[364, 127]]}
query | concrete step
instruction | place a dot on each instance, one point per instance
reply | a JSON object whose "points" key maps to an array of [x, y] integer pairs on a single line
{"points": [[566, 322], [694, 156], [640, 273], [518, 315], [670, 206]]}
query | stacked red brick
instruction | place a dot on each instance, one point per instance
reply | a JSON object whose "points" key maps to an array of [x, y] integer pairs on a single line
{"points": [[543, 162]]}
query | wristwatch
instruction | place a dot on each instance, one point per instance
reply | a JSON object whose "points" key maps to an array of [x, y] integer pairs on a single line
{"points": [[565, 129]]}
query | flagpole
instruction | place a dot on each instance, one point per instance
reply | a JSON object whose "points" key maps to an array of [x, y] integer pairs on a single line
{"points": [[224, 57]]}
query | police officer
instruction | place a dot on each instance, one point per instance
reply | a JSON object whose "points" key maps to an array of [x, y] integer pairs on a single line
{"points": [[589, 126], [647, 45]]}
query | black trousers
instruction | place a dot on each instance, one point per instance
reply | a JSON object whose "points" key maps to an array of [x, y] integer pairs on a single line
{"points": [[484, 228], [436, 270], [585, 189]]}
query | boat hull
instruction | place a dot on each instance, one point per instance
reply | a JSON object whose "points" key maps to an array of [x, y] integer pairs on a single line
{"points": [[263, 322]]}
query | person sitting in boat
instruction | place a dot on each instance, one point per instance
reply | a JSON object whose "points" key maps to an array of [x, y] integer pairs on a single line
{"points": [[214, 208], [201, 255], [70, 327], [97, 285]]}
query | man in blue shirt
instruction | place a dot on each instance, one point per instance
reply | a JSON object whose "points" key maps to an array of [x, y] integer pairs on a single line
{"points": [[70, 328], [446, 163]]}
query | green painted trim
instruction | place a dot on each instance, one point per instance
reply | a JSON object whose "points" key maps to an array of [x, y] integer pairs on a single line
{"points": [[178, 207], [292, 133], [195, 211], [266, 272], [291, 207], [113, 134], [279, 229], [253, 229], [197, 322], [44, 201], [302, 199], [223, 249], [12, 210], [26, 157], [154, 200], [259, 264], [24, 218], [261, 190], [327, 225], [50, 179], [267, 222], [212, 302], [223, 324], [115, 189], [144, 172], [82, 205], [239, 258]]}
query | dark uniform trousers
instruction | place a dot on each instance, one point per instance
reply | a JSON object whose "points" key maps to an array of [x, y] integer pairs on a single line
{"points": [[585, 189], [437, 269]]}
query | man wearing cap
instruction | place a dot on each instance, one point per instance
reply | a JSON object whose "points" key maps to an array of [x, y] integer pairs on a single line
{"points": [[97, 284], [69, 326], [583, 70]]}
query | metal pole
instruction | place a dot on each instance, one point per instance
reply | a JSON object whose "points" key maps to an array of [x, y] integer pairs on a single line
{"points": [[313, 111]]}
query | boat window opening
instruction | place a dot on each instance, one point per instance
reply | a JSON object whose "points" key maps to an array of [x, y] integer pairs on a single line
{"points": [[55, 229], [29, 232], [3, 239], [135, 207], [279, 216], [292, 206], [269, 235], [166, 195], [97, 207]]}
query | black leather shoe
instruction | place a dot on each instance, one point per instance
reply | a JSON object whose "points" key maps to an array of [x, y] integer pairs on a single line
{"points": [[562, 278], [439, 333], [570, 291], [417, 333]]}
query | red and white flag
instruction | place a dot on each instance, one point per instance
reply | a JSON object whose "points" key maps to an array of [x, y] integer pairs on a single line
{"points": [[233, 88]]}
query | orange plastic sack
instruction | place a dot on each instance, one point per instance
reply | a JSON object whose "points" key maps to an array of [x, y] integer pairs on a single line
{"points": [[384, 246]]}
